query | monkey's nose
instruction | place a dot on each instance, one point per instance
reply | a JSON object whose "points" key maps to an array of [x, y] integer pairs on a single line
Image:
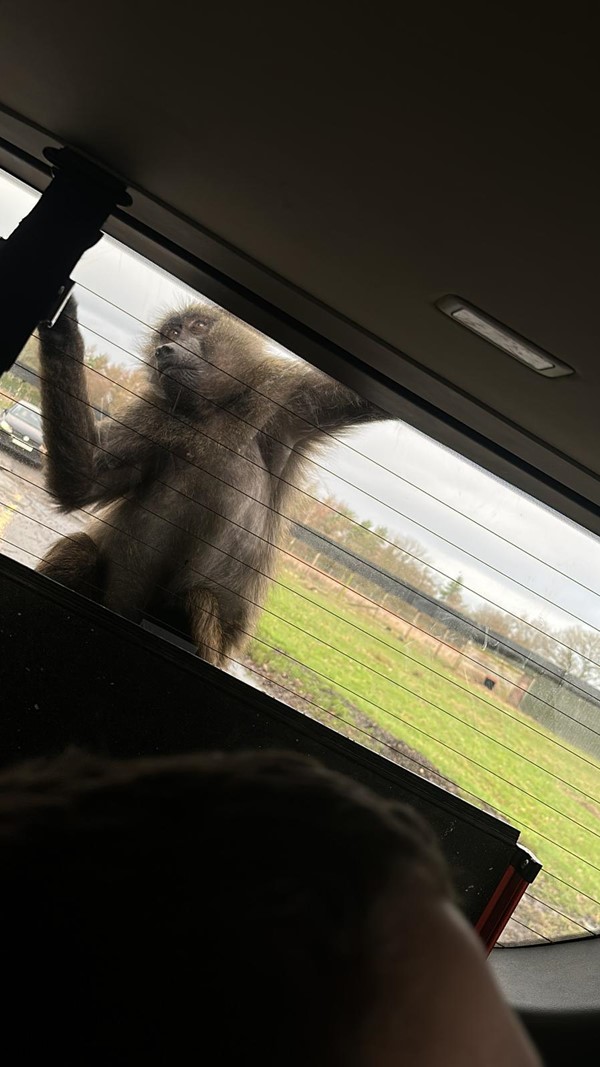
{"points": [[163, 351]]}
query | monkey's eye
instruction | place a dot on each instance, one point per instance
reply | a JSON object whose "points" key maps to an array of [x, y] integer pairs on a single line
{"points": [[172, 332], [198, 325]]}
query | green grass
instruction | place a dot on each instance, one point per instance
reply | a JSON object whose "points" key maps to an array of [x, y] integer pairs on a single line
{"points": [[341, 658]]}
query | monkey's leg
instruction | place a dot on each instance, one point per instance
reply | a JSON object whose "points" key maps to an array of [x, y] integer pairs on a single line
{"points": [[235, 636], [205, 625], [75, 562]]}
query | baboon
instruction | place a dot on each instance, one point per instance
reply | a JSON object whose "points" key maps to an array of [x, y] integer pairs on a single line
{"points": [[192, 478]]}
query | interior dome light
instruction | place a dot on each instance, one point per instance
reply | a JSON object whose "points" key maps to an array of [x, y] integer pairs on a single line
{"points": [[502, 337]]}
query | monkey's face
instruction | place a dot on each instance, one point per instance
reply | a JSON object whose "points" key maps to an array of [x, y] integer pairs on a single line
{"points": [[180, 356], [203, 353]]}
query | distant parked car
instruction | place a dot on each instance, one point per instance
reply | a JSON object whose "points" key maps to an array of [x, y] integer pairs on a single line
{"points": [[21, 432]]}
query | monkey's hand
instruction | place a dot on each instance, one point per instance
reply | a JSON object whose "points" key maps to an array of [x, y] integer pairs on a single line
{"points": [[70, 432], [85, 464], [64, 336]]}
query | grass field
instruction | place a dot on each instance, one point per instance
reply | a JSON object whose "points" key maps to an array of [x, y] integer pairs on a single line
{"points": [[348, 662]]}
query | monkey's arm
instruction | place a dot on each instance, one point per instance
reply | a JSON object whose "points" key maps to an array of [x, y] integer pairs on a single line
{"points": [[82, 467], [312, 403]]}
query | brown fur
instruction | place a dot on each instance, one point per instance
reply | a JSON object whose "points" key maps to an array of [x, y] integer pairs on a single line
{"points": [[193, 479]]}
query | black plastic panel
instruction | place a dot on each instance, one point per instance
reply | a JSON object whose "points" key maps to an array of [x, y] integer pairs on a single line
{"points": [[74, 673]]}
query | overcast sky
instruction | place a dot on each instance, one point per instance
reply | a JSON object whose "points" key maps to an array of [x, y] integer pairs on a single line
{"points": [[391, 474]]}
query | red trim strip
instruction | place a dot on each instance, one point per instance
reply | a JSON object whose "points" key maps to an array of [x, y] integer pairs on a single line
{"points": [[500, 907]]}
